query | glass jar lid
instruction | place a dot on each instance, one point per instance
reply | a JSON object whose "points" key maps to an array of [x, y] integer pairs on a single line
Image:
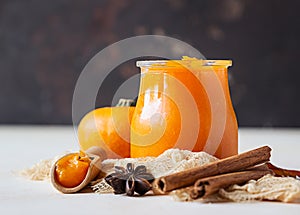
{"points": [[190, 62]]}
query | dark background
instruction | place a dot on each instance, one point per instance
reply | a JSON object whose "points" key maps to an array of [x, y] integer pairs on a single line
{"points": [[44, 45]]}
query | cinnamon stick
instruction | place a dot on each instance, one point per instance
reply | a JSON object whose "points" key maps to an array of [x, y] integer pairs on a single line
{"points": [[207, 186], [284, 172], [234, 163]]}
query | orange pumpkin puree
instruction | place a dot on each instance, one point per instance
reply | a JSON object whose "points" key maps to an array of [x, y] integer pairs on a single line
{"points": [[71, 169], [184, 106]]}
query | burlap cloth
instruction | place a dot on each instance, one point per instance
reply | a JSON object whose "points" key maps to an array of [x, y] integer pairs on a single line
{"points": [[285, 189]]}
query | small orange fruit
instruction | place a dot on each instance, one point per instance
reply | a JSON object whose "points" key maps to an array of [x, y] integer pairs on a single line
{"points": [[108, 128]]}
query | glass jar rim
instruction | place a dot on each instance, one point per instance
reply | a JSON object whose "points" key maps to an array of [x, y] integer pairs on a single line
{"points": [[174, 63]]}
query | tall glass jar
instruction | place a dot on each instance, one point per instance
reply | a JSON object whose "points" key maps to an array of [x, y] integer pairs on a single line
{"points": [[184, 104]]}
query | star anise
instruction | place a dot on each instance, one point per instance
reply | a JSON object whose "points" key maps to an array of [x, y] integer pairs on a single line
{"points": [[130, 180]]}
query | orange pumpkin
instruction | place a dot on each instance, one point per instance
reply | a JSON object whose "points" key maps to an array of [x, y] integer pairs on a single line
{"points": [[108, 128]]}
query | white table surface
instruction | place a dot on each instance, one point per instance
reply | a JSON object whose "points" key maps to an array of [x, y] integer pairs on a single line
{"points": [[23, 146]]}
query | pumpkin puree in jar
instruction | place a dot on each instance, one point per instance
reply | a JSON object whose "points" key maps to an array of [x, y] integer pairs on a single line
{"points": [[184, 104]]}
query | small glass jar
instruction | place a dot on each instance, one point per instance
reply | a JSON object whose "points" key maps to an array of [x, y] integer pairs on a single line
{"points": [[184, 104]]}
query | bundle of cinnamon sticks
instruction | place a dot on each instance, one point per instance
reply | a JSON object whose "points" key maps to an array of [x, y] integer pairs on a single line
{"points": [[208, 179]]}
